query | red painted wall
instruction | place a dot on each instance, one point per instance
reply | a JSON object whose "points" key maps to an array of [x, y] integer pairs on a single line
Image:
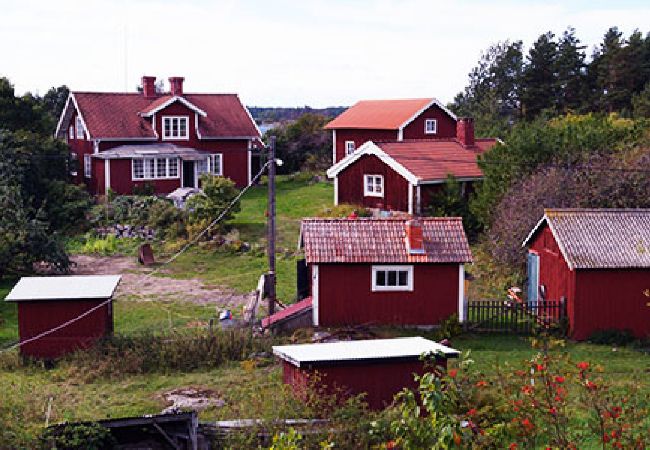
{"points": [[121, 182], [345, 296], [446, 125], [35, 317], [360, 137], [350, 185], [378, 381]]}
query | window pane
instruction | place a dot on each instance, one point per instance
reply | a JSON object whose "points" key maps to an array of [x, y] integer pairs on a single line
{"points": [[403, 278], [369, 184], [138, 168], [173, 167], [202, 165], [161, 168], [149, 168], [183, 127], [174, 127], [380, 276], [392, 278], [167, 127]]}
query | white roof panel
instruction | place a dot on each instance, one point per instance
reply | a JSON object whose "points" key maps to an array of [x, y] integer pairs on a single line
{"points": [[64, 287], [398, 348]]}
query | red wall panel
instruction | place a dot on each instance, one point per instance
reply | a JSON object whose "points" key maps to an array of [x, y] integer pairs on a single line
{"points": [[446, 125], [345, 296], [122, 184], [351, 179], [35, 317], [360, 137]]}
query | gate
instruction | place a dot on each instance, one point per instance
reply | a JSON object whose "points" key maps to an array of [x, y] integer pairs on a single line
{"points": [[500, 316]]}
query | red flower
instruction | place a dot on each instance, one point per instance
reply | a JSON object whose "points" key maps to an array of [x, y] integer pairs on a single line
{"points": [[591, 386], [528, 425], [453, 372], [559, 379], [512, 446], [540, 367], [481, 383], [391, 444], [471, 412], [527, 389], [553, 411], [605, 438], [457, 439], [583, 365]]}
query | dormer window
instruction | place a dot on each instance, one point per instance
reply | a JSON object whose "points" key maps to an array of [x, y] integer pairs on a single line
{"points": [[349, 147], [71, 132], [80, 128], [175, 127], [430, 126]]}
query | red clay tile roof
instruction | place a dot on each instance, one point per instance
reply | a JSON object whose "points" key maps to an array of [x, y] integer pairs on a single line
{"points": [[380, 114], [116, 115], [430, 160], [600, 238], [367, 240]]}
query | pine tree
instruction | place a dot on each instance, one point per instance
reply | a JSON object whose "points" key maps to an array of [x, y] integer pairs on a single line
{"points": [[539, 80], [571, 72]]}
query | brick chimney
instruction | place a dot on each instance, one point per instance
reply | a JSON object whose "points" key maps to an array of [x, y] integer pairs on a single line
{"points": [[414, 237], [176, 85], [149, 86], [465, 131]]}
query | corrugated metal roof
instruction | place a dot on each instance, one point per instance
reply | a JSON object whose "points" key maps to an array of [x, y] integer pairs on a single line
{"points": [[151, 150], [601, 238], [72, 287], [370, 240], [398, 348]]}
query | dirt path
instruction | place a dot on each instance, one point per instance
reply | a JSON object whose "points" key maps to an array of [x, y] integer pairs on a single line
{"points": [[136, 285]]}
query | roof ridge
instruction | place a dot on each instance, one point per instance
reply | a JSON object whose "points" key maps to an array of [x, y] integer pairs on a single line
{"points": [[595, 210], [380, 219]]}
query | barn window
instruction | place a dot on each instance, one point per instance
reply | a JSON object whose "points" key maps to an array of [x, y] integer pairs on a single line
{"points": [[392, 278], [87, 166], [349, 147], [430, 126], [175, 127], [373, 185], [80, 128]]}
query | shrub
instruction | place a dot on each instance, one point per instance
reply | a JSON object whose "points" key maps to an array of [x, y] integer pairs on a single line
{"points": [[90, 436], [216, 196], [612, 337], [168, 219]]}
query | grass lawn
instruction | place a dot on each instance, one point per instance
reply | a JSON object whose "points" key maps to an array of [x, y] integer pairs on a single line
{"points": [[8, 315]]}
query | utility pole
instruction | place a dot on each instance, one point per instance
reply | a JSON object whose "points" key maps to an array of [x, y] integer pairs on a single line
{"points": [[271, 226]]}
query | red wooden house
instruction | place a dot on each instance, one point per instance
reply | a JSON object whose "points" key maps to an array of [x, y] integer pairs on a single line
{"points": [[385, 271], [166, 140], [47, 303], [378, 368], [599, 261], [389, 120]]}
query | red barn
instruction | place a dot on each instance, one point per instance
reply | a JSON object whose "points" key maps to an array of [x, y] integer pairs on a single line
{"points": [[393, 120], [599, 261], [385, 271], [45, 303], [378, 368], [123, 141], [402, 176]]}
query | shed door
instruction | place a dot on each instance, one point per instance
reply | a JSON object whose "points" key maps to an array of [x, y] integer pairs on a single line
{"points": [[533, 276]]}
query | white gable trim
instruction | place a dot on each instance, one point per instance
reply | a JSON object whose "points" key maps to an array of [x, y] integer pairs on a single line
{"points": [[71, 99], [370, 148], [543, 220], [417, 114], [174, 99], [250, 116]]}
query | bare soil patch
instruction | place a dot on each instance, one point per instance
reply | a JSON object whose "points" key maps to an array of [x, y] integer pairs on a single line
{"points": [[137, 285], [191, 398]]}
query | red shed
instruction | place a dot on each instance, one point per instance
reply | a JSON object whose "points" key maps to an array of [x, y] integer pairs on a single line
{"points": [[599, 261], [391, 271], [45, 303], [378, 368]]}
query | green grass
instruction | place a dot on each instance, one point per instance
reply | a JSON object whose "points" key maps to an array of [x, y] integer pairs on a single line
{"points": [[8, 315]]}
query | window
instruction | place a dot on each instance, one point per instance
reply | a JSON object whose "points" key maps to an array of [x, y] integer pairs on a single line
{"points": [[74, 163], [349, 147], [71, 132], [392, 278], [175, 127], [430, 126], [373, 185], [211, 164], [154, 168], [87, 166], [80, 128]]}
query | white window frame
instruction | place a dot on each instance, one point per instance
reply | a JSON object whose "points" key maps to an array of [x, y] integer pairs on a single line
{"points": [[88, 167], [150, 172], [212, 164], [71, 132], [409, 278], [74, 157], [178, 136], [350, 147], [80, 128], [374, 192], [432, 130]]}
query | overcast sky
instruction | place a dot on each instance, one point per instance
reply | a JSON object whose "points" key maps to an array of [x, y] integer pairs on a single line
{"points": [[282, 53]]}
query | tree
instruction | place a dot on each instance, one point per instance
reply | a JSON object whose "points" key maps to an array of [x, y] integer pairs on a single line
{"points": [[570, 73], [539, 79], [451, 201], [55, 99], [641, 102]]}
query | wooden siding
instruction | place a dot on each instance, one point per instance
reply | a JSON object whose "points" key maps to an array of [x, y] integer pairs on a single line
{"points": [[351, 179], [360, 137], [446, 125], [379, 381], [345, 296], [35, 317]]}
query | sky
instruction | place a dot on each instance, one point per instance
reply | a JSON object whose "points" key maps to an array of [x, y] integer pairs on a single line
{"points": [[279, 52]]}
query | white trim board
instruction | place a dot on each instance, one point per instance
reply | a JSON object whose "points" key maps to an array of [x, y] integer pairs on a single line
{"points": [[314, 294], [433, 102], [175, 99]]}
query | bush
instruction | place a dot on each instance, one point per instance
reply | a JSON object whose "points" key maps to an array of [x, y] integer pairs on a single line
{"points": [[90, 436], [217, 195], [612, 337]]}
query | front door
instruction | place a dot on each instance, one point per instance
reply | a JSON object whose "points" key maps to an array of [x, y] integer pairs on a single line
{"points": [[189, 177]]}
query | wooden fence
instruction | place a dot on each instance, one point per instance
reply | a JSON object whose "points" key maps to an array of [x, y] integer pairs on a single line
{"points": [[500, 316]]}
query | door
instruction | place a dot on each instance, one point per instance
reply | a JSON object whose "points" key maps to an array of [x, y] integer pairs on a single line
{"points": [[189, 177], [533, 277]]}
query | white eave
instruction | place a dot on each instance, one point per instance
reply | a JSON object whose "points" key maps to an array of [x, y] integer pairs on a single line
{"points": [[370, 148], [66, 113], [174, 99], [433, 102], [537, 227]]}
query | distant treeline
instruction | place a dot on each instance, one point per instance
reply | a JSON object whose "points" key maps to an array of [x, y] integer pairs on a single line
{"points": [[270, 115]]}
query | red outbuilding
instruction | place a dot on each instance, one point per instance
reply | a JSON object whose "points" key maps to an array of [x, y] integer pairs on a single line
{"points": [[166, 140], [45, 304], [378, 369], [598, 260], [391, 271]]}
